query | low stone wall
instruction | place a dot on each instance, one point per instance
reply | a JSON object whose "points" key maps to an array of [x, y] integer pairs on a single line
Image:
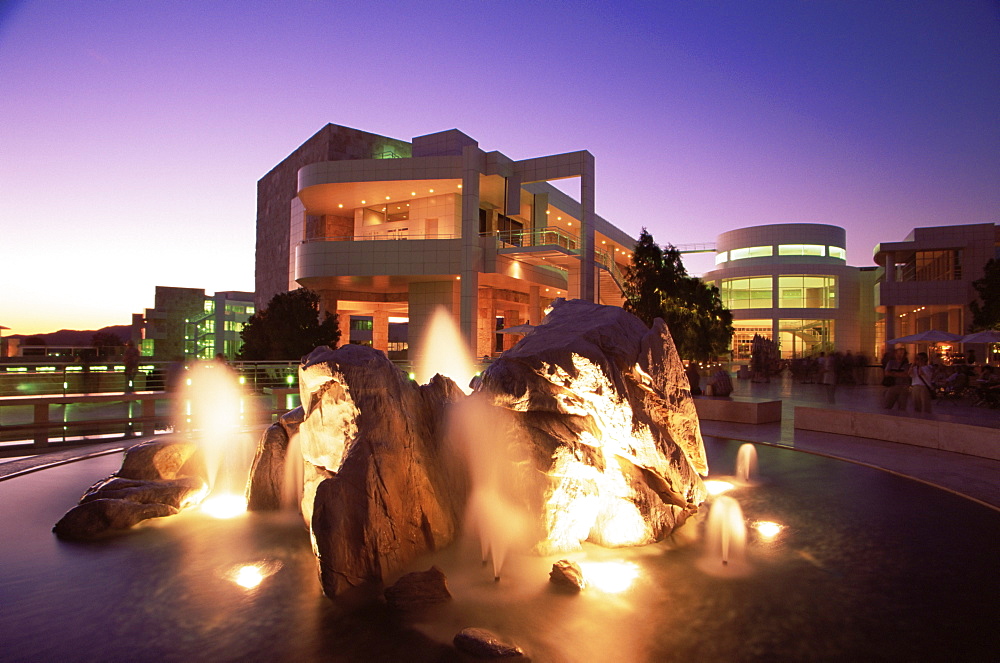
{"points": [[737, 410], [967, 439]]}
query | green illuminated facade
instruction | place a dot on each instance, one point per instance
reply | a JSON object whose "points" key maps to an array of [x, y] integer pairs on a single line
{"points": [[187, 322]]}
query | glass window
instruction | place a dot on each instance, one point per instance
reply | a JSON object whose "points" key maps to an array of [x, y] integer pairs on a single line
{"points": [[837, 252], [743, 333], [801, 338], [807, 292], [746, 293], [801, 250], [721, 257], [751, 252]]}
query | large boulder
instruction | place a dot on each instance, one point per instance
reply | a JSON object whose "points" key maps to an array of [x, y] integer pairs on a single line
{"points": [[177, 493], [377, 492], [604, 409], [162, 459], [101, 516], [266, 490], [156, 479]]}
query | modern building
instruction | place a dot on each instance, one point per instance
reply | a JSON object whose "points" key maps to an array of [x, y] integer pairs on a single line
{"points": [[790, 282], [926, 280], [387, 230], [187, 322]]}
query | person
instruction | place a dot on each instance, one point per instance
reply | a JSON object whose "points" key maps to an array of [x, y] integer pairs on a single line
{"points": [[896, 380], [131, 361], [970, 357], [828, 368], [720, 384], [694, 378], [921, 376]]}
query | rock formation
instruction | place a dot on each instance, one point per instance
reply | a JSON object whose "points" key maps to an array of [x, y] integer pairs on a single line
{"points": [[377, 491], [156, 479], [604, 406], [480, 643], [597, 419]]}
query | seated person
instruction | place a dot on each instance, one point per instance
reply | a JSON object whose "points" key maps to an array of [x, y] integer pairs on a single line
{"points": [[719, 384]]}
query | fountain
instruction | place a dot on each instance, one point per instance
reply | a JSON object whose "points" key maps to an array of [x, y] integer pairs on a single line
{"points": [[725, 538], [746, 462], [245, 587]]}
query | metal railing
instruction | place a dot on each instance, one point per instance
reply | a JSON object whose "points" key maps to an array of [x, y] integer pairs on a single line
{"points": [[378, 237], [547, 236], [65, 378]]}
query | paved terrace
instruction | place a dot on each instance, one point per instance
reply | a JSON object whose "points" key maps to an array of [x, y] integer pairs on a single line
{"points": [[978, 478]]}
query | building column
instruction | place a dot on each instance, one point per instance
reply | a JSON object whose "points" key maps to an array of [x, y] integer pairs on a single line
{"points": [[588, 290], [469, 295], [380, 330], [344, 325], [890, 324], [534, 306], [510, 319]]}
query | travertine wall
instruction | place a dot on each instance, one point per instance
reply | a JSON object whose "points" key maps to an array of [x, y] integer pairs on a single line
{"points": [[276, 190]]}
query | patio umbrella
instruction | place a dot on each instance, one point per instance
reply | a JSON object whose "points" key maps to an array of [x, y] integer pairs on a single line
{"points": [[930, 336], [516, 329], [988, 336]]}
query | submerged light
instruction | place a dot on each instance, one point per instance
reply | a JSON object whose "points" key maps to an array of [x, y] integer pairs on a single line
{"points": [[610, 577], [715, 487], [767, 529], [224, 506]]}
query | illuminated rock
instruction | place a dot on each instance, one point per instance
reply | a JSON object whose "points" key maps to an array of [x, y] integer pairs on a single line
{"points": [[267, 474], [377, 491], [603, 406], [418, 589], [101, 516], [176, 493], [567, 575], [162, 459], [480, 643]]}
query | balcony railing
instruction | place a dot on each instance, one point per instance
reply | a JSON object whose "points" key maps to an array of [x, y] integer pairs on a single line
{"points": [[377, 237], [548, 236]]}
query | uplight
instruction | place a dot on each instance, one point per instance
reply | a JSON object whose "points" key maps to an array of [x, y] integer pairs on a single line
{"points": [[767, 529], [610, 577], [248, 576], [715, 487], [224, 506]]}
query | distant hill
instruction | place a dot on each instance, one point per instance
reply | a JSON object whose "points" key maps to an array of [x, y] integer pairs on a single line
{"points": [[77, 337]]}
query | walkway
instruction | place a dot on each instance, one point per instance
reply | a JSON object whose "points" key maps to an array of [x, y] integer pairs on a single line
{"points": [[974, 477]]}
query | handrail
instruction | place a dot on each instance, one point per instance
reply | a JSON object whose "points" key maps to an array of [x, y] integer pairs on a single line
{"points": [[546, 236], [128, 423], [68, 377], [378, 237]]}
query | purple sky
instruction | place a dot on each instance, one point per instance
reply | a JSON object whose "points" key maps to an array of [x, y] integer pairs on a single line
{"points": [[132, 134]]}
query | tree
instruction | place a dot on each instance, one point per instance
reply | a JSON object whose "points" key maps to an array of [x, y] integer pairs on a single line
{"points": [[987, 315], [658, 286], [105, 343], [288, 328]]}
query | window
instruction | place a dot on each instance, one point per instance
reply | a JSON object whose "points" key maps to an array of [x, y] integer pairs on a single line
{"points": [[807, 292], [747, 293], [836, 252], [800, 338], [362, 325], [944, 265], [743, 333], [721, 257], [801, 250], [751, 252]]}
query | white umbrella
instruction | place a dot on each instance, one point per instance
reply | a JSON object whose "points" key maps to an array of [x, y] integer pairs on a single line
{"points": [[930, 336], [517, 329], [988, 336]]}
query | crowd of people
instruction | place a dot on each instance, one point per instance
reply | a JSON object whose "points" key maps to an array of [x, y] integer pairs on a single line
{"points": [[921, 382]]}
